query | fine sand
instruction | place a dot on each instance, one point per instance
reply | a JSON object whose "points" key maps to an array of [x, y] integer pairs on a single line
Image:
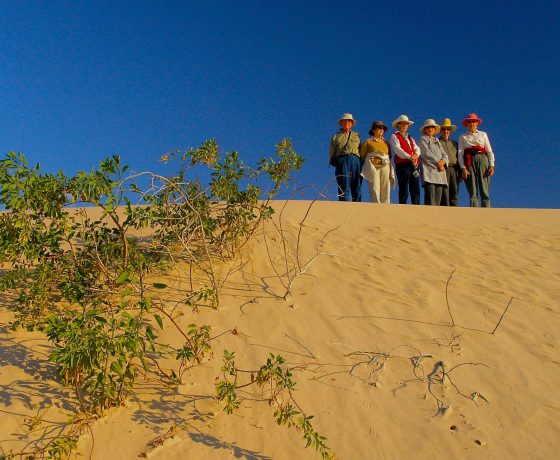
{"points": [[368, 326]]}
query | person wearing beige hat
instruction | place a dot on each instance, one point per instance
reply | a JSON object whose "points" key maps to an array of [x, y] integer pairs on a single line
{"points": [[476, 159], [432, 163], [450, 195], [375, 154], [407, 155], [344, 155]]}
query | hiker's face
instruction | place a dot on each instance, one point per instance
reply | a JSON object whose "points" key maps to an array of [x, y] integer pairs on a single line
{"points": [[402, 126], [346, 125]]}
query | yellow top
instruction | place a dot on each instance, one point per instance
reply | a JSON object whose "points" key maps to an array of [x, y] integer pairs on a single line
{"points": [[371, 145]]}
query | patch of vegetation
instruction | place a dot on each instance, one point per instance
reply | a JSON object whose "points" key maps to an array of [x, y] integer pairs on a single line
{"points": [[85, 278]]}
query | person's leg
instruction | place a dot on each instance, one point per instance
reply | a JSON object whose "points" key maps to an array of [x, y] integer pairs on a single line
{"points": [[355, 167], [470, 182], [445, 195], [343, 178], [438, 192], [453, 183], [371, 191], [484, 182], [384, 184], [414, 187], [374, 193], [429, 194], [403, 171]]}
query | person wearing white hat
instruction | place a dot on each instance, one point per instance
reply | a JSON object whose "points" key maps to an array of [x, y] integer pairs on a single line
{"points": [[450, 195], [407, 155], [344, 155], [432, 163]]}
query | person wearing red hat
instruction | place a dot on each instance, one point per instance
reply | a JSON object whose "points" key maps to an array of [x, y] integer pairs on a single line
{"points": [[476, 160]]}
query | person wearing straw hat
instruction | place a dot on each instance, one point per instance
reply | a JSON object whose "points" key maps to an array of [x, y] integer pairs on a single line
{"points": [[432, 163], [407, 156], [450, 194], [344, 155], [375, 154], [476, 160]]}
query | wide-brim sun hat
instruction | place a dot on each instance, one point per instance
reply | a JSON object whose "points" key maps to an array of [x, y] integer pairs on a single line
{"points": [[401, 118], [471, 117], [446, 123], [377, 124], [347, 116], [430, 122]]}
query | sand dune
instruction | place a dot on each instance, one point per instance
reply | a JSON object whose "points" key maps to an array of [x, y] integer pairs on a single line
{"points": [[369, 325]]}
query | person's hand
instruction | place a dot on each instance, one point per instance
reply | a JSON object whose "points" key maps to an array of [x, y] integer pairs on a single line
{"points": [[465, 173], [414, 159], [490, 171], [441, 165]]}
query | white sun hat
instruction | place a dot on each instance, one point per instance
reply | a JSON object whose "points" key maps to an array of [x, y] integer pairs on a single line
{"points": [[430, 122], [347, 116], [401, 118]]}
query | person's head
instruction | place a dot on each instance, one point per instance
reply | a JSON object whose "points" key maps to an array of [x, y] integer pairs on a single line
{"points": [[346, 122], [378, 128], [402, 123], [472, 122], [430, 128], [446, 128]]}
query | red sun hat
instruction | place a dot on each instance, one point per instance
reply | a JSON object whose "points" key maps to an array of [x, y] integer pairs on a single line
{"points": [[471, 117]]}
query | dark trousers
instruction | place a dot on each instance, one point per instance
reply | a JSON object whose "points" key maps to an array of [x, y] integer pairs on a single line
{"points": [[407, 182], [450, 194], [348, 178], [433, 193]]}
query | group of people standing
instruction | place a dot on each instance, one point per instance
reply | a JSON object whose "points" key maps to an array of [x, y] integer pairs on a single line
{"points": [[440, 163]]}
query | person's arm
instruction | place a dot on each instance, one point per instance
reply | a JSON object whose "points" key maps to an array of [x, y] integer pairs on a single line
{"points": [[359, 144], [417, 149], [363, 151], [461, 156], [444, 161], [490, 154], [461, 152], [415, 158], [389, 151]]}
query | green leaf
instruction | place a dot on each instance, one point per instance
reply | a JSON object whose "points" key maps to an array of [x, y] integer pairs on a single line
{"points": [[150, 333], [159, 321], [123, 278], [160, 285]]}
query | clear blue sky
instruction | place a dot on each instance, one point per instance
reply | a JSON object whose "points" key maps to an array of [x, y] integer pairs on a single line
{"points": [[80, 80]]}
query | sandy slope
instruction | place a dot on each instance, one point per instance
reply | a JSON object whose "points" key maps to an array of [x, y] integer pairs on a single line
{"points": [[366, 324]]}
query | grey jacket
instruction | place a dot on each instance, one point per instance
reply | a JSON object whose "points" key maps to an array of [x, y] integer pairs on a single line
{"points": [[432, 153]]}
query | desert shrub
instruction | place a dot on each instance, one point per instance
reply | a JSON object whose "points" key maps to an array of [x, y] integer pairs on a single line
{"points": [[83, 279]]}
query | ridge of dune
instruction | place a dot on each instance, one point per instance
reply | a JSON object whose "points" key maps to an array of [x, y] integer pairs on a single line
{"points": [[369, 326]]}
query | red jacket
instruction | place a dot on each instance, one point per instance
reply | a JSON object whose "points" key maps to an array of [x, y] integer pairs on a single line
{"points": [[408, 148]]}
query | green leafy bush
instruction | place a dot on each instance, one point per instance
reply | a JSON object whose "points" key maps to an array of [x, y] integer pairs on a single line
{"points": [[82, 277]]}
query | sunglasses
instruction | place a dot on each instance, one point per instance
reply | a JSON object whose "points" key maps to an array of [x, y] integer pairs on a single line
{"points": [[445, 129], [472, 121]]}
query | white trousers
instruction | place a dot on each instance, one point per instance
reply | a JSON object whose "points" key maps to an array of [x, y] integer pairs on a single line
{"points": [[380, 185]]}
